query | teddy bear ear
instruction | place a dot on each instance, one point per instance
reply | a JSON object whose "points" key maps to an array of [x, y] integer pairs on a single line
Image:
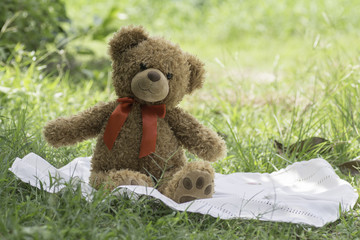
{"points": [[126, 38], [197, 73]]}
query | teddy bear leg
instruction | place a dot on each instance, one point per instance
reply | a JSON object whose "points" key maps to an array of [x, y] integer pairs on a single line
{"points": [[114, 178], [194, 181]]}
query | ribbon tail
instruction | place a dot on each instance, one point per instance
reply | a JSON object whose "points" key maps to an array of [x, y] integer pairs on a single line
{"points": [[115, 123]]}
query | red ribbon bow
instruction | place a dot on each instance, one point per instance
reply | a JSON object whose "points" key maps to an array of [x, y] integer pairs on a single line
{"points": [[150, 113]]}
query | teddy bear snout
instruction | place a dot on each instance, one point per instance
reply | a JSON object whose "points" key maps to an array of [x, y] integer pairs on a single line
{"points": [[153, 76], [150, 85]]}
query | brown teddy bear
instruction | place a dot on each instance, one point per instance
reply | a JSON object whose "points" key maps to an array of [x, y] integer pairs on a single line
{"points": [[141, 135]]}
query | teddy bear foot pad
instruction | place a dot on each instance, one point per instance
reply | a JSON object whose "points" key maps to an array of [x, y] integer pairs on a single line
{"points": [[307, 192], [194, 185]]}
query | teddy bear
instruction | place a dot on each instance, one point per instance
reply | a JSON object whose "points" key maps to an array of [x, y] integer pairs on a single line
{"points": [[141, 136]]}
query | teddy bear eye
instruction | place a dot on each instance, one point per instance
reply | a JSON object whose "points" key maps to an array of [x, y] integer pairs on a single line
{"points": [[169, 76], [143, 66]]}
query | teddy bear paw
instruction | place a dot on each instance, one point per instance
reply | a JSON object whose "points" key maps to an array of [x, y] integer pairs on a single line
{"points": [[127, 177], [133, 181], [112, 184], [194, 185]]}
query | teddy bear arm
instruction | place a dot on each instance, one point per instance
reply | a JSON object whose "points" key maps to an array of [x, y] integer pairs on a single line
{"points": [[195, 137], [85, 125]]}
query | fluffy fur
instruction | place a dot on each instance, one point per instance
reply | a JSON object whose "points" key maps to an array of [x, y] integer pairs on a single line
{"points": [[131, 49]]}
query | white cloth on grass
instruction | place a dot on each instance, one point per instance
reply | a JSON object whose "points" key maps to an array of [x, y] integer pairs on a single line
{"points": [[307, 192]]}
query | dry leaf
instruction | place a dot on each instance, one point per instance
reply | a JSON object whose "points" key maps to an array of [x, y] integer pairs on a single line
{"points": [[279, 147], [305, 146], [352, 167]]}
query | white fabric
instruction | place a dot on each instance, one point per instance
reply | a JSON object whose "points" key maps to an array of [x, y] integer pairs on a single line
{"points": [[307, 192]]}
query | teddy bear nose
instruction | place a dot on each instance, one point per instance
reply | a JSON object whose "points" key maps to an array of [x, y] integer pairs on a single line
{"points": [[153, 76]]}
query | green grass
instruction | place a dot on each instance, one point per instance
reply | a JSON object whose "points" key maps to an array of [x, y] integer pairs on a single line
{"points": [[276, 70]]}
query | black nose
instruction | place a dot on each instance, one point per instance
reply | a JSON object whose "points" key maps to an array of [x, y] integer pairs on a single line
{"points": [[153, 76]]}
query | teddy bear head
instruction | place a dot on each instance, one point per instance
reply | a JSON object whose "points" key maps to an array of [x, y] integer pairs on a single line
{"points": [[152, 70]]}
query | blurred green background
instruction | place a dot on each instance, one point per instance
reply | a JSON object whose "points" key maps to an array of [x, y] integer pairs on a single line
{"points": [[275, 69], [256, 30]]}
